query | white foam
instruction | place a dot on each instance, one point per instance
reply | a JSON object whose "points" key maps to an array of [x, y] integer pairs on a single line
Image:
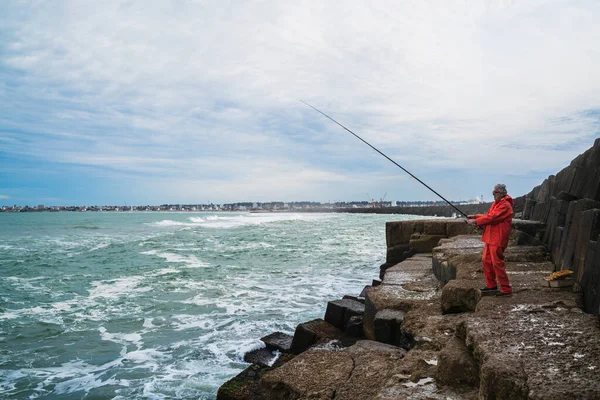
{"points": [[149, 357], [238, 220], [168, 222], [183, 322], [166, 271], [190, 261], [121, 338], [115, 288]]}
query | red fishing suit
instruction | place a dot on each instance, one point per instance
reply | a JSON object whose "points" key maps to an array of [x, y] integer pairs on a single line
{"points": [[496, 228]]}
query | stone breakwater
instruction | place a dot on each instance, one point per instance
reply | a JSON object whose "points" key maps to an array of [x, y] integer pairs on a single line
{"points": [[424, 331], [568, 204]]}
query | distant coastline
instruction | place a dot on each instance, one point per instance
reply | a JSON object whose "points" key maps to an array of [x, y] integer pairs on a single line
{"points": [[426, 210]]}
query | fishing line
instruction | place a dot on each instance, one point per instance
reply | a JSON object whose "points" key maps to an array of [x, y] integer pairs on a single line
{"points": [[377, 150]]}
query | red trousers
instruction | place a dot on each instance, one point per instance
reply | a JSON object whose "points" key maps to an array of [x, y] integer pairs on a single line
{"points": [[494, 268]]}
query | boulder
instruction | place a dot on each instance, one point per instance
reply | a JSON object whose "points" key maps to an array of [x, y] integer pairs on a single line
{"points": [[572, 232], [589, 229], [461, 295], [530, 227], [456, 365], [503, 378], [529, 206], [340, 311], [354, 327], [380, 298], [590, 281], [357, 372], [263, 357], [398, 232], [396, 254], [388, 329], [314, 332], [315, 374], [278, 341]]}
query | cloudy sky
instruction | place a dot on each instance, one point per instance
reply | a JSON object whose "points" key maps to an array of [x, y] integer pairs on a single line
{"points": [[152, 102]]}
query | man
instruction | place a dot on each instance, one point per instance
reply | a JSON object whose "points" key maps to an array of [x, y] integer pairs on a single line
{"points": [[496, 228]]}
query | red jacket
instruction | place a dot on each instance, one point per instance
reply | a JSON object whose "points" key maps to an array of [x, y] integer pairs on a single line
{"points": [[497, 222]]}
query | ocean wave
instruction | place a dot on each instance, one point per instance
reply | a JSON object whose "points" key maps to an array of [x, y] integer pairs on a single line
{"points": [[116, 288], [239, 220], [190, 261]]}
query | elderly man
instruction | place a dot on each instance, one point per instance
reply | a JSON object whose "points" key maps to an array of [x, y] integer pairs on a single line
{"points": [[496, 228]]}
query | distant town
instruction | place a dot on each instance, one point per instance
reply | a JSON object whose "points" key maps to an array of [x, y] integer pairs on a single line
{"points": [[243, 206]]}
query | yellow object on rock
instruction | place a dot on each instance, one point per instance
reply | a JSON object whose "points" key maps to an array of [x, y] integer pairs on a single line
{"points": [[559, 275]]}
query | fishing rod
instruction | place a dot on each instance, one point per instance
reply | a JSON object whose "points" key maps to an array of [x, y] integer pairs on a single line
{"points": [[398, 165]]}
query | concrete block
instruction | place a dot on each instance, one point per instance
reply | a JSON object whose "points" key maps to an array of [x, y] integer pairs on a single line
{"points": [[338, 312], [589, 228], [456, 365], [388, 329], [461, 295], [396, 254], [278, 341], [313, 332], [434, 227], [354, 327], [425, 243]]}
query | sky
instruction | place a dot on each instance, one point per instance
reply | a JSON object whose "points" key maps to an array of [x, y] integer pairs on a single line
{"points": [[192, 102]]}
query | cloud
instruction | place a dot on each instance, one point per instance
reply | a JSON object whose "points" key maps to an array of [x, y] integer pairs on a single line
{"points": [[4, 197], [207, 92]]}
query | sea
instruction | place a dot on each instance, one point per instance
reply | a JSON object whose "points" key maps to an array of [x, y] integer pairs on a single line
{"points": [[164, 305]]}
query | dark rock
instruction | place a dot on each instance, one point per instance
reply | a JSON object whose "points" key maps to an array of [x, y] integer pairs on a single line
{"points": [[530, 227], [566, 196], [388, 329], [263, 357], [354, 327], [529, 206], [278, 341], [313, 332], [456, 365], [572, 233], [375, 282], [380, 298], [387, 323], [589, 230], [355, 298], [590, 281], [340, 311], [363, 292], [395, 254]]}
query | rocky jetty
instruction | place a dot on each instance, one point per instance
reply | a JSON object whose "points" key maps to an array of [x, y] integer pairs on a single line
{"points": [[426, 332]]}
